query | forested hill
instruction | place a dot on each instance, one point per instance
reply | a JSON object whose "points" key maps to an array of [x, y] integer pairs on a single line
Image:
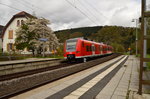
{"points": [[120, 37], [84, 30], [76, 32]]}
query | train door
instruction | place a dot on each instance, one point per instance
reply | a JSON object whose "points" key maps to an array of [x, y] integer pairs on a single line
{"points": [[101, 49], [93, 49], [83, 50]]}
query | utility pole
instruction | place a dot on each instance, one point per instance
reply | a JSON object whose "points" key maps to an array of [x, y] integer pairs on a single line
{"points": [[142, 46], [143, 50]]}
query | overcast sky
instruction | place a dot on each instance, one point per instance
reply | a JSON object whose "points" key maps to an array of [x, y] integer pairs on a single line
{"points": [[65, 14]]}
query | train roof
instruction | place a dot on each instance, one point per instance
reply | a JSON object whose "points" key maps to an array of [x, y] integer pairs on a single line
{"points": [[82, 38]]}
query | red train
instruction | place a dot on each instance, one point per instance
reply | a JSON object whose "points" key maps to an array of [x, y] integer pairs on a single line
{"points": [[80, 48]]}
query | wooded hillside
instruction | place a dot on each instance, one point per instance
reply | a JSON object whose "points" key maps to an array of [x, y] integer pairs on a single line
{"points": [[121, 38]]}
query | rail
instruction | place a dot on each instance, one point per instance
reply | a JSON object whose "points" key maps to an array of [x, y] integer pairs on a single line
{"points": [[25, 83]]}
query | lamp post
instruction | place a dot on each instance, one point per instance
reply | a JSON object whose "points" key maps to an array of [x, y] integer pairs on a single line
{"points": [[136, 21]]}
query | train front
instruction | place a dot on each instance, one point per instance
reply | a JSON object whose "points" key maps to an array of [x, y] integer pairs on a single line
{"points": [[70, 49]]}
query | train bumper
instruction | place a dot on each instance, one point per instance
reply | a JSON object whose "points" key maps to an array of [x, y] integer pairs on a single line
{"points": [[71, 56]]}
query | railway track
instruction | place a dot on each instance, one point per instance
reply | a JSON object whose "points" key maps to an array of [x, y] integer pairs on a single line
{"points": [[61, 64], [54, 72]]}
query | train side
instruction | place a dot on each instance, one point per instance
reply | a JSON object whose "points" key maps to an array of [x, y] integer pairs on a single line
{"points": [[80, 48]]}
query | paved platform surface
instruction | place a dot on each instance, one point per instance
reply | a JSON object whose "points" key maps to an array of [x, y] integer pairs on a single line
{"points": [[124, 81], [122, 86]]}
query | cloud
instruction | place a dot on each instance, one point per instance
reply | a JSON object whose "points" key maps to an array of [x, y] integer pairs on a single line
{"points": [[84, 13], [123, 15]]}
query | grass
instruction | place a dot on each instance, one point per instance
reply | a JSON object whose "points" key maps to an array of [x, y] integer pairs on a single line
{"points": [[57, 56], [126, 53], [138, 55], [14, 56], [51, 56], [148, 63]]}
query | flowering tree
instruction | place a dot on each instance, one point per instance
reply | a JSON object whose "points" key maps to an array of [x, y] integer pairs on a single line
{"points": [[29, 35]]}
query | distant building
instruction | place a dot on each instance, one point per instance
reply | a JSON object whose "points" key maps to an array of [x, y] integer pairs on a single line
{"points": [[9, 31], [1, 30]]}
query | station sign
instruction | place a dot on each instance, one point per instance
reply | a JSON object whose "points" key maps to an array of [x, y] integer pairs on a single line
{"points": [[43, 39]]}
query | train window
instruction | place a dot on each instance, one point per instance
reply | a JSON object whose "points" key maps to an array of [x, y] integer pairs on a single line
{"points": [[87, 48], [71, 45], [90, 48]]}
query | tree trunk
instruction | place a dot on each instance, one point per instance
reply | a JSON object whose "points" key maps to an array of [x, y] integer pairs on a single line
{"points": [[33, 52]]}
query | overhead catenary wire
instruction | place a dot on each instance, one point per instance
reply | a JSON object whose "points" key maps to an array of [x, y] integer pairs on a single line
{"points": [[100, 13], [31, 4], [14, 8], [90, 12], [34, 7], [24, 4], [4, 19], [28, 3], [10, 7], [81, 12]]}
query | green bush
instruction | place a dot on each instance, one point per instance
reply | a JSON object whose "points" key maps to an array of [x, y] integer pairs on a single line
{"points": [[118, 48]]}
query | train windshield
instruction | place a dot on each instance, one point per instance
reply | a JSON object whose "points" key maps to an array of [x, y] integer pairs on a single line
{"points": [[71, 45]]}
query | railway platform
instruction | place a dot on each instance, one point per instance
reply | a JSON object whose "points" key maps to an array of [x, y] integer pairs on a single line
{"points": [[25, 60], [97, 82]]}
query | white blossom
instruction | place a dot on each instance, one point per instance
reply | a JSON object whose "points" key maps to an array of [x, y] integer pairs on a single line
{"points": [[40, 30]]}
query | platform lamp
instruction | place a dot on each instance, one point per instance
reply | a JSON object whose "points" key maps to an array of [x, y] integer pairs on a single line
{"points": [[136, 21]]}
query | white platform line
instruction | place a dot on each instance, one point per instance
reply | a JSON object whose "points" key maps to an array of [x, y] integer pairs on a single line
{"points": [[54, 87], [80, 91]]}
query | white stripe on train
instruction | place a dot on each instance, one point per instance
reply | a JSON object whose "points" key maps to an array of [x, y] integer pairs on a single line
{"points": [[90, 55]]}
